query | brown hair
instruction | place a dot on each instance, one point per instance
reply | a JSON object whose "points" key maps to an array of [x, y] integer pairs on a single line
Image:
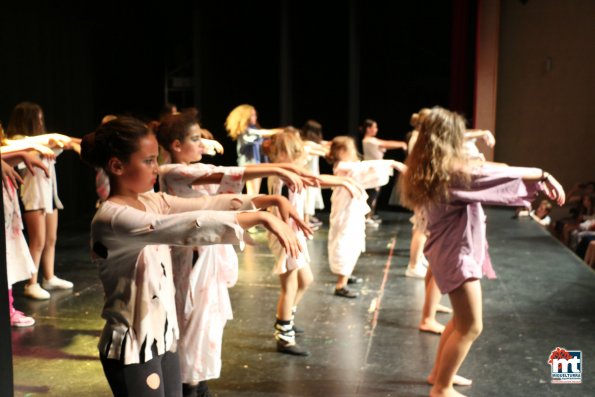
{"points": [[25, 120], [117, 138], [174, 126], [437, 160], [287, 142], [338, 144]]}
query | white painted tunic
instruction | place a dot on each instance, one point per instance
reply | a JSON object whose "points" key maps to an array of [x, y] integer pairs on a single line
{"points": [[347, 225], [202, 296], [131, 249]]}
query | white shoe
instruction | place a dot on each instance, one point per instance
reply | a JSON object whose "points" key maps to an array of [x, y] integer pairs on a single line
{"points": [[34, 291], [56, 283], [416, 272], [372, 223]]}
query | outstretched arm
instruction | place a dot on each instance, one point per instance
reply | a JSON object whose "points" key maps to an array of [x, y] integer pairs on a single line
{"points": [[276, 226], [486, 135], [286, 210], [330, 181], [391, 145]]}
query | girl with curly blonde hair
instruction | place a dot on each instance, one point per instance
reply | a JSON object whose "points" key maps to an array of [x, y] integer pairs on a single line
{"points": [[449, 188], [242, 126]]}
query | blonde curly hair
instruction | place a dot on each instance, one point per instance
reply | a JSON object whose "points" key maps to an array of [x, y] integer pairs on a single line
{"points": [[437, 160], [238, 119]]}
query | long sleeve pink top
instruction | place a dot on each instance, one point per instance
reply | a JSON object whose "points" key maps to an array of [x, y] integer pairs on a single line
{"points": [[457, 247]]}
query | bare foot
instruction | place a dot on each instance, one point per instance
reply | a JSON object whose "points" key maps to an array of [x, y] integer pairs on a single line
{"points": [[458, 380], [448, 392], [431, 326], [443, 309]]}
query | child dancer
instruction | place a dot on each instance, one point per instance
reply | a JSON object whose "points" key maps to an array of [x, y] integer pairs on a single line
{"points": [[130, 238], [315, 147], [40, 199], [449, 188], [242, 126], [347, 232], [20, 265], [295, 274], [374, 149], [202, 283]]}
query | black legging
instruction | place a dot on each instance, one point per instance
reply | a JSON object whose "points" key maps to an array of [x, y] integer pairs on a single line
{"points": [[372, 199], [133, 380]]}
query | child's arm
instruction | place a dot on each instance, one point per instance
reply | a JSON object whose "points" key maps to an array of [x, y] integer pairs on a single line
{"points": [[265, 133], [203, 174], [552, 188], [29, 158], [329, 181], [286, 210], [391, 145], [24, 145], [307, 178], [486, 135], [276, 226]]}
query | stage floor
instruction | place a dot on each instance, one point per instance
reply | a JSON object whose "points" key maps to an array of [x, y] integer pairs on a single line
{"points": [[543, 298]]}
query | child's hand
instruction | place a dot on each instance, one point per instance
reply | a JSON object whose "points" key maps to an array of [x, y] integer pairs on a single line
{"points": [[287, 212], [9, 175], [554, 190], [211, 146], [291, 179], [397, 165], [489, 138], [284, 234], [31, 161]]}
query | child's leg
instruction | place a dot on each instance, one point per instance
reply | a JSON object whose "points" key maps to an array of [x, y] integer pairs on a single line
{"points": [[341, 281], [253, 186], [284, 332], [48, 256], [415, 267], [159, 377], [460, 332], [287, 296], [49, 249], [35, 223], [304, 279], [432, 299]]}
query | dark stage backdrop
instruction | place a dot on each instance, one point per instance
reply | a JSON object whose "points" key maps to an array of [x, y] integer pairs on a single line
{"points": [[336, 62]]}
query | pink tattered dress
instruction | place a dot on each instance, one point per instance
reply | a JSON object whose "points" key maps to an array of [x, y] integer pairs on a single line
{"points": [[457, 248]]}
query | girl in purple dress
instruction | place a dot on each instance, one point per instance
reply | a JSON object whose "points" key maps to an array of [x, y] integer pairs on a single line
{"points": [[450, 189]]}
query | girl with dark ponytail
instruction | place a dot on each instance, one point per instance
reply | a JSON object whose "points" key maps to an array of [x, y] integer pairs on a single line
{"points": [[131, 235]]}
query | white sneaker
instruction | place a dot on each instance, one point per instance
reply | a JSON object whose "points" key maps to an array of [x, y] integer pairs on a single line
{"points": [[34, 291], [372, 223], [56, 283], [416, 272]]}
